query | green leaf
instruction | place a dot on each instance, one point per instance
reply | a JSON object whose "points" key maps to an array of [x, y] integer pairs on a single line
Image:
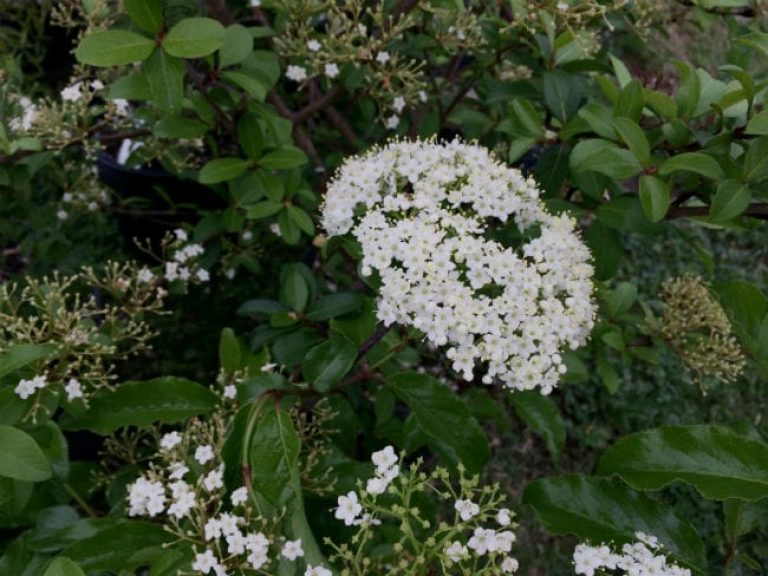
{"points": [[194, 38], [295, 291], [604, 157], [20, 456], [165, 76], [622, 74], [562, 94], [166, 399], [756, 160], [334, 305], [299, 217], [634, 138], [114, 48], [223, 169], [274, 454], [542, 415], [601, 510], [179, 127], [696, 162], [729, 201], [289, 230], [621, 298], [654, 197], [229, 351], [238, 44], [255, 88], [264, 209], [287, 157], [717, 461], [630, 102], [662, 104], [758, 125], [63, 566], [452, 431], [126, 546], [19, 355], [146, 14], [249, 135], [689, 90], [326, 364]]}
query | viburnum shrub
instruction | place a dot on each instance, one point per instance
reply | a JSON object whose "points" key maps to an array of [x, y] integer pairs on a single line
{"points": [[412, 287]]}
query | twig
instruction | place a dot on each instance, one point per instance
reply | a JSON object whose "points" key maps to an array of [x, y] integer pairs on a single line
{"points": [[759, 211]]}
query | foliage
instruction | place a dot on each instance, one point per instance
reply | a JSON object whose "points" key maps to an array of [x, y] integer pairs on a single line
{"points": [[231, 308]]}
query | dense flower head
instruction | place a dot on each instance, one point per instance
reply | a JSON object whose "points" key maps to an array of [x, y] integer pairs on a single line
{"points": [[641, 558], [423, 213]]}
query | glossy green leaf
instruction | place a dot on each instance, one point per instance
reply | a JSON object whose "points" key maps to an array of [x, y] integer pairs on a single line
{"points": [[562, 93], [126, 546], [756, 160], [729, 201], [63, 566], [114, 48], [334, 305], [327, 363], [654, 197], [696, 162], [606, 158], [717, 461], [630, 102], [249, 135], [238, 44], [165, 76], [194, 38], [634, 138], [229, 351], [179, 127], [300, 217], [20, 456], [601, 510], [287, 157], [443, 418], [223, 169], [758, 125], [19, 355], [295, 291], [255, 87], [274, 454], [542, 415], [264, 209], [146, 14], [166, 399]]}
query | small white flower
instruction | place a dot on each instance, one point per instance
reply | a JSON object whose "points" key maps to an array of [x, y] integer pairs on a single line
{"points": [[317, 571], [97, 85], [384, 459], [212, 529], [146, 498], [214, 479], [170, 440], [269, 367], [202, 275], [422, 96], [66, 197], [382, 57], [204, 454], [230, 392], [239, 496], [296, 73], [62, 215], [205, 562], [466, 509], [349, 508], [255, 3], [25, 388], [177, 471], [563, 6], [72, 93], [230, 273], [482, 541], [122, 107], [331, 70], [145, 275], [392, 122], [292, 549], [362, 29], [73, 389], [509, 565], [504, 517], [456, 552], [247, 236], [181, 235], [313, 45], [376, 486], [398, 104]]}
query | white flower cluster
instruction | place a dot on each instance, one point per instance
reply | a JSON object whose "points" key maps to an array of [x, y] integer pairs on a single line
{"points": [[465, 538], [27, 117], [637, 559], [188, 488], [423, 213], [183, 266]]}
